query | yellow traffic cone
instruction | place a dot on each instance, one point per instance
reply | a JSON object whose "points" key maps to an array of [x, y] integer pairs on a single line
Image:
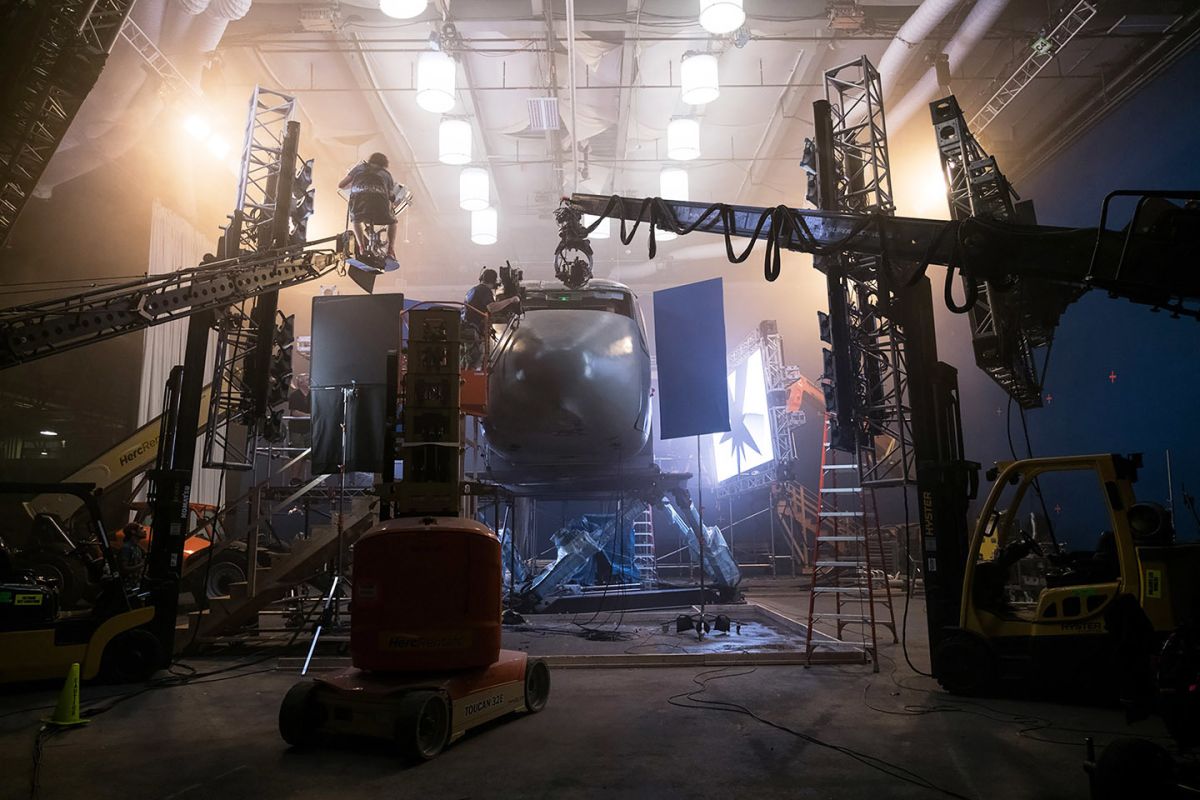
{"points": [[66, 713]]}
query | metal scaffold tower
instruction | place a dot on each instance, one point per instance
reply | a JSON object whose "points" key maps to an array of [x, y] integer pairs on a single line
{"points": [[67, 44], [880, 415], [260, 223], [866, 370], [1042, 51], [1007, 321]]}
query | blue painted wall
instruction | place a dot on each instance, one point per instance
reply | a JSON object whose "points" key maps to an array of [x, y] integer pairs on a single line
{"points": [[1152, 141]]}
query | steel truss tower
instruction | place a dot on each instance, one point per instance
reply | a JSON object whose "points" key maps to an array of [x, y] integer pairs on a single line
{"points": [[67, 43], [878, 371], [260, 223]]}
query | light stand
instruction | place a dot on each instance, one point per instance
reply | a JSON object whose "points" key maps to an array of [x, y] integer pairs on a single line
{"points": [[331, 611]]}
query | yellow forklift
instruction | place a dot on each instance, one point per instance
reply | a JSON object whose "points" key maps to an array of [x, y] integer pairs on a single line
{"points": [[1069, 581], [40, 641]]}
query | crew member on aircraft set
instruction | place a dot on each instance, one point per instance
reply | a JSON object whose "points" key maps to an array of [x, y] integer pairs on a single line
{"points": [[371, 191], [479, 303]]}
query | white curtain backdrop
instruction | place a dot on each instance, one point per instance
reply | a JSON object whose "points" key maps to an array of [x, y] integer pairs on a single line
{"points": [[174, 244]]}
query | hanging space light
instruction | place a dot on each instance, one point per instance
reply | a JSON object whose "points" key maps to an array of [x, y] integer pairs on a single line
{"points": [[436, 74], [454, 141], [483, 226], [721, 16], [474, 189], [698, 78], [683, 139], [403, 9], [672, 185]]}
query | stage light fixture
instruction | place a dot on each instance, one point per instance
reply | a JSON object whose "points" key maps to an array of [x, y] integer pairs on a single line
{"points": [[683, 139], [721, 16], [436, 74], [483, 226], [603, 230], [673, 184], [454, 141], [698, 78], [217, 145], [197, 127], [403, 9], [474, 190]]}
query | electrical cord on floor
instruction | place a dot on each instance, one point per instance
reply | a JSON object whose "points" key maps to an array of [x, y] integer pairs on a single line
{"points": [[908, 587], [44, 734], [1030, 724], [876, 763]]}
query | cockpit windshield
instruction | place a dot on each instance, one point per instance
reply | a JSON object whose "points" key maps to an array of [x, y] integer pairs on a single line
{"points": [[610, 300]]}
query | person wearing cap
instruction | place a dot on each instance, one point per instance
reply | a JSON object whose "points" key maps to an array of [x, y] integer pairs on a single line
{"points": [[131, 558]]}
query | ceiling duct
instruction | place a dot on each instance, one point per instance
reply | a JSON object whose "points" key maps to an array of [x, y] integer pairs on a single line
{"points": [[543, 114]]}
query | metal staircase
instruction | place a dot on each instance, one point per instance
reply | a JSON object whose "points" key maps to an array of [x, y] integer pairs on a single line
{"points": [[645, 557], [239, 607], [847, 551]]}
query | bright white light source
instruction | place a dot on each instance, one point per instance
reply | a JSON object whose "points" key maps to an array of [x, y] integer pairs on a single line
{"points": [[402, 9], [474, 189], [197, 127], [48, 433], [683, 139], [749, 443], [483, 226], [698, 78], [454, 141], [673, 184], [603, 230], [217, 146], [436, 73], [721, 16]]}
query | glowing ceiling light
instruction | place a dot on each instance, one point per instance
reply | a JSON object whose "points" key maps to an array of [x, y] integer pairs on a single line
{"points": [[197, 127], [474, 189], [683, 139], [673, 184], [603, 230], [454, 141], [483, 226], [402, 9], [721, 16], [217, 146], [698, 78], [436, 73], [48, 433]]}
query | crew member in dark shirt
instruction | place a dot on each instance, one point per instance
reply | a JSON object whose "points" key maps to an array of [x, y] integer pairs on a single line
{"points": [[479, 304], [371, 192]]}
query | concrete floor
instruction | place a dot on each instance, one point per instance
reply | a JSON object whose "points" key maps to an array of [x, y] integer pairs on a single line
{"points": [[605, 733]]}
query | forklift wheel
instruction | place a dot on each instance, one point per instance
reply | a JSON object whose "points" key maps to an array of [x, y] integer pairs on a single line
{"points": [[423, 725], [299, 715], [966, 665], [131, 657], [537, 686], [1133, 768]]}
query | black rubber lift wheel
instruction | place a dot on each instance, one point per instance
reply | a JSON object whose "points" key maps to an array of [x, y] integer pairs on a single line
{"points": [[131, 657], [537, 686], [966, 665], [423, 725], [1130, 768], [299, 715]]}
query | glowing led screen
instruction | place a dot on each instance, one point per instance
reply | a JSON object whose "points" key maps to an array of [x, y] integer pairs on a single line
{"points": [[748, 443]]}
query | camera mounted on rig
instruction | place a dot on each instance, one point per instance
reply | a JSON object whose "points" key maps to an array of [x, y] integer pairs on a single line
{"points": [[573, 256]]}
